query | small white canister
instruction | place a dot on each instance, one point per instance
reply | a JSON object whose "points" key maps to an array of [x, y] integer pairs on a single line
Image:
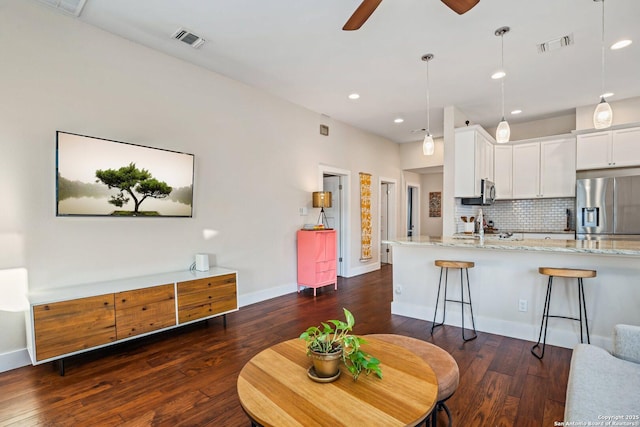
{"points": [[469, 227]]}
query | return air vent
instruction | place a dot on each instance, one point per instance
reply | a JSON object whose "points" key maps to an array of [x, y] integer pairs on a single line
{"points": [[68, 7], [555, 44], [189, 38]]}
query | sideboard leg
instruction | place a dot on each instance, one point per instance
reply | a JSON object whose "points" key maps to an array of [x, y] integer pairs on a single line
{"points": [[224, 320], [61, 367]]}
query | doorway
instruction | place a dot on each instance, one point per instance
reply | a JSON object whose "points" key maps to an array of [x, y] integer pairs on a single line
{"points": [[387, 218], [337, 182], [413, 211]]}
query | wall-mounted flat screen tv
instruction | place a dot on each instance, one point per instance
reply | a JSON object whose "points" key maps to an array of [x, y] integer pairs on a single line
{"points": [[100, 177]]}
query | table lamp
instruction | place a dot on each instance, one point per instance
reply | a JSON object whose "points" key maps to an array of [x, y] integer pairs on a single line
{"points": [[322, 199]]}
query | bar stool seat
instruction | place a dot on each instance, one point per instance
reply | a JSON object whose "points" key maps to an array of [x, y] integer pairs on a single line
{"points": [[463, 266], [573, 273], [570, 273], [454, 264], [442, 363]]}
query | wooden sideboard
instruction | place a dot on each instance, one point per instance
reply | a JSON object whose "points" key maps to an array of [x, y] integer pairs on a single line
{"points": [[70, 320]]}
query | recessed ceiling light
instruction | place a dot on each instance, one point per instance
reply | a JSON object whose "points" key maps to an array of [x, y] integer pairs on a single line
{"points": [[606, 95], [498, 75], [398, 120], [516, 112], [354, 96], [620, 44]]}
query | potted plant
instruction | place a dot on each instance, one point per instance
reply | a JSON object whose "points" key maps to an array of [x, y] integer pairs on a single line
{"points": [[332, 342]]}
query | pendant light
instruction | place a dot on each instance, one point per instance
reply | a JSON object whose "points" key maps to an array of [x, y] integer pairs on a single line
{"points": [[428, 146], [603, 115], [503, 132]]}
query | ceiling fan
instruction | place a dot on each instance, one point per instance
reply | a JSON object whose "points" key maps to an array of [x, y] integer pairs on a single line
{"points": [[366, 8]]}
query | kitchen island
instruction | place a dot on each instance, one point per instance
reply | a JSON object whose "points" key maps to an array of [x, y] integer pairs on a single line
{"points": [[506, 278]]}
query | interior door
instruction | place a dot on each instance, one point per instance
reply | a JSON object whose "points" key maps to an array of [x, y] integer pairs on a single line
{"points": [[333, 184], [384, 222], [413, 211]]}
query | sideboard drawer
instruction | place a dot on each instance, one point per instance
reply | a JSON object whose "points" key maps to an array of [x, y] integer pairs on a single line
{"points": [[145, 310], [73, 325]]}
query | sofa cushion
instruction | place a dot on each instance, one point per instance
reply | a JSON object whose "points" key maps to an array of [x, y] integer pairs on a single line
{"points": [[601, 386], [626, 343]]}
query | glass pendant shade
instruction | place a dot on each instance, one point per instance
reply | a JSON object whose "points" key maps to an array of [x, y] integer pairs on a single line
{"points": [[428, 146], [603, 115], [503, 132]]}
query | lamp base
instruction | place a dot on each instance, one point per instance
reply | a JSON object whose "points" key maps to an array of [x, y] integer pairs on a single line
{"points": [[324, 222]]}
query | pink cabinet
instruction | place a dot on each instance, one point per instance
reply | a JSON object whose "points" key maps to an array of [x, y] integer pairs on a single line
{"points": [[317, 259]]}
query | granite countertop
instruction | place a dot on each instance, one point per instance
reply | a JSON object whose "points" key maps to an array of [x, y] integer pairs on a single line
{"points": [[529, 231], [603, 247]]}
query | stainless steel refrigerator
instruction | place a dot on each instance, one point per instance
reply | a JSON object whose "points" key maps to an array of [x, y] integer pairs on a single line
{"points": [[608, 208]]}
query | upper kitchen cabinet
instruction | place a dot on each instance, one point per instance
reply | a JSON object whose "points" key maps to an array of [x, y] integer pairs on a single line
{"points": [[503, 171], [608, 149], [544, 169], [473, 160]]}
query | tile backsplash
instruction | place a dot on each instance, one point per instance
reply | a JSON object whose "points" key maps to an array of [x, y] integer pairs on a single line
{"points": [[537, 215]]}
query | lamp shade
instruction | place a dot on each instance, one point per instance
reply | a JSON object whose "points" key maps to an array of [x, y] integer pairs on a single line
{"points": [[503, 132], [428, 147], [322, 199], [603, 115]]}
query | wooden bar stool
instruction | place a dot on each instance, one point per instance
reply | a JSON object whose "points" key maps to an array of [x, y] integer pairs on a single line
{"points": [[442, 363], [463, 266], [582, 307]]}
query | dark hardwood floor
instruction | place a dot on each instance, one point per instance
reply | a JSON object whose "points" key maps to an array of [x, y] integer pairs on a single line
{"points": [[188, 376]]}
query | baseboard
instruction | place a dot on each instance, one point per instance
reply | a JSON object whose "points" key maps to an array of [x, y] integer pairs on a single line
{"points": [[367, 268], [558, 337], [259, 296], [14, 359]]}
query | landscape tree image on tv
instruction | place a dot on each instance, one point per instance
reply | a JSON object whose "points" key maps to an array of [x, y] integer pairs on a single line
{"points": [[100, 177]]}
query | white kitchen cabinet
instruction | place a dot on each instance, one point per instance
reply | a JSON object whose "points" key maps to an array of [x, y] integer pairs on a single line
{"points": [[608, 149], [557, 168], [526, 171], [473, 160], [503, 171], [625, 147], [544, 169]]}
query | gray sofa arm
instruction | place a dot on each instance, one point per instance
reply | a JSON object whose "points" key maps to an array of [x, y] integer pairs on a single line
{"points": [[626, 342]]}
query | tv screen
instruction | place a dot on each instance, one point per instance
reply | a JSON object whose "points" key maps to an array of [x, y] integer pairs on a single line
{"points": [[100, 177]]}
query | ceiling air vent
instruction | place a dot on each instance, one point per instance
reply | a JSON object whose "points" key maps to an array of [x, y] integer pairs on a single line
{"points": [[68, 7], [554, 44], [188, 37]]}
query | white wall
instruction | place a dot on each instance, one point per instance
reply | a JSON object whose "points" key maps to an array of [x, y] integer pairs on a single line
{"points": [[556, 125], [625, 111], [257, 160], [411, 156], [430, 182]]}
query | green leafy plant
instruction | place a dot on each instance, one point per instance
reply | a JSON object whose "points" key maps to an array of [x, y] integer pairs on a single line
{"points": [[333, 335]]}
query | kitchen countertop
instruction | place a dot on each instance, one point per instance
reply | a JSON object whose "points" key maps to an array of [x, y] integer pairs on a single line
{"points": [[572, 232], [602, 247]]}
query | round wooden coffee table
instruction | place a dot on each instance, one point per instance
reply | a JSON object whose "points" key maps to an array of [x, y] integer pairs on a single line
{"points": [[274, 389]]}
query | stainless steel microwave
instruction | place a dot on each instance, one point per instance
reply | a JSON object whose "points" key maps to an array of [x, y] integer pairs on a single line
{"points": [[487, 195]]}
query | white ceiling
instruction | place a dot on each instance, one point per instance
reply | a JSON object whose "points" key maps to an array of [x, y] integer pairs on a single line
{"points": [[296, 49]]}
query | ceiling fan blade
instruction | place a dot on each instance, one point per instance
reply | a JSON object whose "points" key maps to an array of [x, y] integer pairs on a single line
{"points": [[362, 13], [460, 6]]}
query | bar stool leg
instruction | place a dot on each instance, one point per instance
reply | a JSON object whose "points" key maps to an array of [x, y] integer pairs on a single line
{"points": [[545, 321], [583, 307], [444, 303], [473, 323]]}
